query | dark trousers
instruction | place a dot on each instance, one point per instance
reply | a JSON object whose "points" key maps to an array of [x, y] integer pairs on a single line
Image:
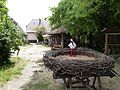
{"points": [[72, 52]]}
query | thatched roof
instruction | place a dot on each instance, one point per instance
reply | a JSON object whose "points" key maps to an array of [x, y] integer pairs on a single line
{"points": [[57, 31], [111, 30]]}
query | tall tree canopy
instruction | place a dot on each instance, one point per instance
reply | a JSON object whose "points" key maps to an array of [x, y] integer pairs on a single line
{"points": [[10, 35], [85, 19]]}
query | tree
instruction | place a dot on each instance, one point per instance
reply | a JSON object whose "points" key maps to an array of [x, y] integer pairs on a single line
{"points": [[84, 19], [10, 35], [40, 30]]}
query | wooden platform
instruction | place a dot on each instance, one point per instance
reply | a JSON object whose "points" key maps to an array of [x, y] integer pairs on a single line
{"points": [[81, 82]]}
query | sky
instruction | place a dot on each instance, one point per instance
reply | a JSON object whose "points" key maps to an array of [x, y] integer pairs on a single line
{"points": [[23, 11]]}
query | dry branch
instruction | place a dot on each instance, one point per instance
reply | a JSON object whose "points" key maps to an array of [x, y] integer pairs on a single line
{"points": [[101, 66]]}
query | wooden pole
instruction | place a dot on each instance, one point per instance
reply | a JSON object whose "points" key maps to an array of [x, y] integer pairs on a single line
{"points": [[62, 43], [94, 80], [106, 44], [99, 83]]}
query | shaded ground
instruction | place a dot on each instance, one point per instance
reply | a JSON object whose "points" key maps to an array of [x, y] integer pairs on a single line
{"points": [[42, 80], [36, 77]]}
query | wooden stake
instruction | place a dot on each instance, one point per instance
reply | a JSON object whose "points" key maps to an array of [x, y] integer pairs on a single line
{"points": [[106, 44]]}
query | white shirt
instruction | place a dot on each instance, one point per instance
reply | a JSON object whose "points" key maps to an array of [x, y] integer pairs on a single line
{"points": [[72, 45]]}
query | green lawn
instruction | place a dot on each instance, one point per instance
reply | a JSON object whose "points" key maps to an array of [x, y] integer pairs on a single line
{"points": [[9, 71]]}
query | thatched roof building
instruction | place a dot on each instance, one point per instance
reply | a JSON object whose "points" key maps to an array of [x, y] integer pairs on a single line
{"points": [[57, 31], [111, 30], [112, 40], [59, 38]]}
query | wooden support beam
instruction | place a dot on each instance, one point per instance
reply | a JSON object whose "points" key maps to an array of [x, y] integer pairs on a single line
{"points": [[106, 44], [99, 83], [62, 43], [94, 80], [69, 83]]}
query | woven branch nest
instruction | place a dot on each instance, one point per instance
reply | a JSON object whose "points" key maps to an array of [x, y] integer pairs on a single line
{"points": [[73, 66]]}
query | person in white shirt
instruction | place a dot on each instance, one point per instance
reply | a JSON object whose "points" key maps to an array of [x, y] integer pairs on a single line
{"points": [[72, 46]]}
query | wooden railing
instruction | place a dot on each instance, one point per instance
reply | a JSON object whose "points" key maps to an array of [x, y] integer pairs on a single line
{"points": [[56, 47]]}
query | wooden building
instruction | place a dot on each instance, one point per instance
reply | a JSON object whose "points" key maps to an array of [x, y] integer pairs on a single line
{"points": [[59, 38], [112, 40]]}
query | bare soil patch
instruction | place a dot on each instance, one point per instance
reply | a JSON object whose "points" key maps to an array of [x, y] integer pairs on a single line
{"points": [[43, 80], [76, 57]]}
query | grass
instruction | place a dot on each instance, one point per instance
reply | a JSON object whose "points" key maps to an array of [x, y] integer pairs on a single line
{"points": [[36, 86], [9, 71]]}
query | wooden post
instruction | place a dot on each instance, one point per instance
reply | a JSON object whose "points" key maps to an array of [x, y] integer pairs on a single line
{"points": [[99, 83], [62, 43], [106, 44], [70, 83], [94, 80]]}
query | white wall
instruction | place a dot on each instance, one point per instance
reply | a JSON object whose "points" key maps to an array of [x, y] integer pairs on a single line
{"points": [[31, 36], [31, 33]]}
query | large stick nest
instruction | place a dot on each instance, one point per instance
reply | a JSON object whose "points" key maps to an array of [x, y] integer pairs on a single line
{"points": [[92, 63]]}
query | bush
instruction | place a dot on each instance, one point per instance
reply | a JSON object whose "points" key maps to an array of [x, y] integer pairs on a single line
{"points": [[10, 35]]}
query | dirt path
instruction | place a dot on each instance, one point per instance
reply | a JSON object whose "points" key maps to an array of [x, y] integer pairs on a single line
{"points": [[33, 54], [36, 77]]}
